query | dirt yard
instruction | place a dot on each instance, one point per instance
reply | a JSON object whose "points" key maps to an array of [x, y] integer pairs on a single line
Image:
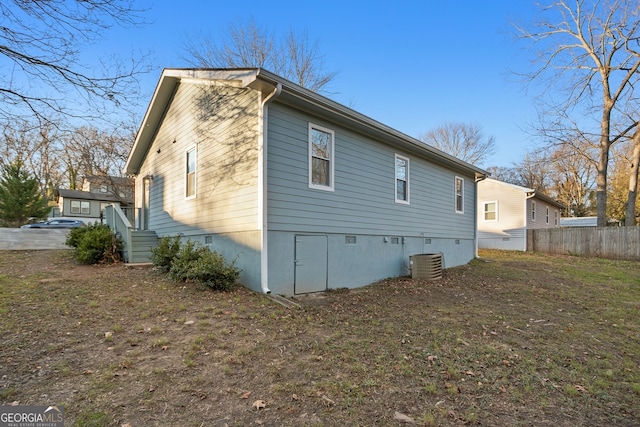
{"points": [[511, 340]]}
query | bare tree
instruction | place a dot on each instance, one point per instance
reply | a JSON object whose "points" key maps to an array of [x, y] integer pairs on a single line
{"points": [[630, 211], [246, 45], [573, 175], [40, 44], [89, 151], [504, 174], [462, 140], [534, 171], [59, 159], [586, 49], [37, 148]]}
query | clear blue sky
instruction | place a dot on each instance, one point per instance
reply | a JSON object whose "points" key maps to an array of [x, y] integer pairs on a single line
{"points": [[412, 65]]}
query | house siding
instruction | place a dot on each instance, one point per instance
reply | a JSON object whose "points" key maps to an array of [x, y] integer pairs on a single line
{"points": [[509, 231], [362, 204], [541, 221], [221, 123], [94, 209]]}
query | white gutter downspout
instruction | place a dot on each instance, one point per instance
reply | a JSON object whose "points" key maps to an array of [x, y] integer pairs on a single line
{"points": [[478, 178], [262, 188]]}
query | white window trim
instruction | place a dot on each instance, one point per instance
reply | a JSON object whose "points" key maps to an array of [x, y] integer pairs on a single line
{"points": [[547, 215], [533, 211], [484, 211], [395, 179], [186, 172], [331, 186], [455, 195], [82, 204]]}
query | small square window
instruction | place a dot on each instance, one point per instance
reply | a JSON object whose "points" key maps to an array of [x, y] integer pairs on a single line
{"points": [[427, 241], [395, 240], [491, 211], [208, 240], [350, 240]]}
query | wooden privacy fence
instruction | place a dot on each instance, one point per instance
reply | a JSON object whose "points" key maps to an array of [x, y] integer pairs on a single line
{"points": [[602, 242]]}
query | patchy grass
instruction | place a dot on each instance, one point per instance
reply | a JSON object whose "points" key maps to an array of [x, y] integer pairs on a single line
{"points": [[512, 339]]}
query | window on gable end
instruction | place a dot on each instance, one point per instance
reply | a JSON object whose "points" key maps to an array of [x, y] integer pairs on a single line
{"points": [[491, 211], [190, 178]]}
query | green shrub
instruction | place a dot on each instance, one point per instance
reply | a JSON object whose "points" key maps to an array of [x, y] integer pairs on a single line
{"points": [[75, 234], [165, 252], [94, 244], [194, 262], [189, 253], [213, 270]]}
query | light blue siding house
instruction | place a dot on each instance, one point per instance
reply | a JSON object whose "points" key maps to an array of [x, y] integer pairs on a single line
{"points": [[304, 193]]}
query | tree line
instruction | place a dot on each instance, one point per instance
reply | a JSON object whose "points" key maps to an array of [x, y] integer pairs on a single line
{"points": [[38, 159], [587, 148]]}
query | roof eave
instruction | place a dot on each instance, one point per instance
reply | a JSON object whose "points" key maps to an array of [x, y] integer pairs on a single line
{"points": [[292, 94], [166, 87], [364, 123]]}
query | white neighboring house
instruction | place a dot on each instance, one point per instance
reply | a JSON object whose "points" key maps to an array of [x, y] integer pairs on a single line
{"points": [[584, 221], [506, 211]]}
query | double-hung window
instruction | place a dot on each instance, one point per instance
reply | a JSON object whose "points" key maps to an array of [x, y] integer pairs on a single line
{"points": [[547, 215], [80, 207], [459, 189], [533, 210], [491, 211], [321, 155], [190, 178], [402, 179]]}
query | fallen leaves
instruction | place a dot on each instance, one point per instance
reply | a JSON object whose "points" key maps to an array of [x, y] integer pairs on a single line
{"points": [[326, 401], [259, 404], [580, 388], [400, 417]]}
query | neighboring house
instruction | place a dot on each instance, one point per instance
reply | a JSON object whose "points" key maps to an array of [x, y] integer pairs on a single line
{"points": [[83, 204], [97, 192], [506, 211], [121, 187], [584, 221], [303, 193]]}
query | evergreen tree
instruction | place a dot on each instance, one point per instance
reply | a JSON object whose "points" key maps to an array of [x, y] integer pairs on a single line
{"points": [[20, 197]]}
